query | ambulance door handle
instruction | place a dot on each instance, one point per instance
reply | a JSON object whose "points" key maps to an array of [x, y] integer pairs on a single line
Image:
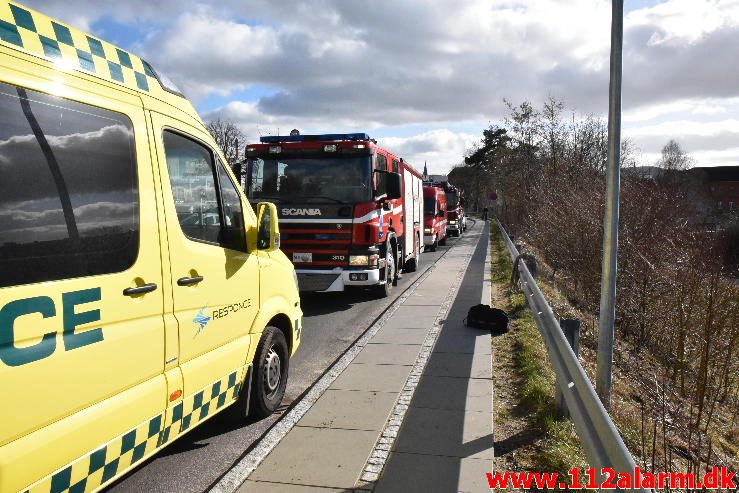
{"points": [[144, 288], [186, 281]]}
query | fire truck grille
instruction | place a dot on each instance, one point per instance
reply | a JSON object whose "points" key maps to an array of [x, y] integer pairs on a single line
{"points": [[329, 227]]}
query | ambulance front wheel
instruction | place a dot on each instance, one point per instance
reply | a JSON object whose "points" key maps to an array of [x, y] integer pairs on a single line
{"points": [[271, 365]]}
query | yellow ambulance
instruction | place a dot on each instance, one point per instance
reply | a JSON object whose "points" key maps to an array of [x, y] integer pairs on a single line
{"points": [[140, 294]]}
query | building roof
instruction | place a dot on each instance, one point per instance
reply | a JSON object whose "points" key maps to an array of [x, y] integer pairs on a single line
{"points": [[720, 173]]}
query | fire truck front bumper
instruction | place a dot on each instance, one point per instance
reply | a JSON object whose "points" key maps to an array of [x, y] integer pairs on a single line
{"points": [[429, 239], [332, 280]]}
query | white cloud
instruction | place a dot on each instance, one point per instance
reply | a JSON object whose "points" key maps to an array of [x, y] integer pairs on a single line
{"points": [[441, 149], [680, 21], [340, 65]]}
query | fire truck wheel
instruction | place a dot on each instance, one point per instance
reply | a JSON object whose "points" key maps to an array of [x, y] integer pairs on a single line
{"points": [[412, 264], [384, 290], [442, 241], [270, 373]]}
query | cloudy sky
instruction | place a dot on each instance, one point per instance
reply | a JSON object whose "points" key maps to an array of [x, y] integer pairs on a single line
{"points": [[425, 77]]}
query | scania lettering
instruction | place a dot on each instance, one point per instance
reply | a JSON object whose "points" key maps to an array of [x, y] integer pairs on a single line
{"points": [[301, 212], [140, 293], [351, 211]]}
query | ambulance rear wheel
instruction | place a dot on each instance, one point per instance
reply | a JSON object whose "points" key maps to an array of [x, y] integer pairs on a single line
{"points": [[270, 375]]}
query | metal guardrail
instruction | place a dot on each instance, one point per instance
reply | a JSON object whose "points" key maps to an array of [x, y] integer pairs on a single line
{"points": [[601, 441]]}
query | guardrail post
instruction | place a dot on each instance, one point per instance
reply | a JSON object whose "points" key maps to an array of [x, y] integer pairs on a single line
{"points": [[571, 329], [530, 264]]}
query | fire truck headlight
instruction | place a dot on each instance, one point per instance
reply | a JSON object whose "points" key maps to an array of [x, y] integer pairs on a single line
{"points": [[452, 222], [428, 231], [358, 260]]}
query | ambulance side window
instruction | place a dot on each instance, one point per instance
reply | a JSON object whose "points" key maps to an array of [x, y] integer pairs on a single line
{"points": [[192, 178], [69, 203], [234, 236], [207, 203]]}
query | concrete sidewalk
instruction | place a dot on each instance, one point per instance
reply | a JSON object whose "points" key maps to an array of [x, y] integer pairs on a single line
{"points": [[413, 410]]}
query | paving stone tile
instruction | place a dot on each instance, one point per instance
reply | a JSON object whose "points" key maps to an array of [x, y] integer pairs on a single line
{"points": [[387, 335], [382, 378], [388, 354], [411, 473], [323, 457], [455, 337], [264, 487], [465, 365], [470, 394], [351, 409], [413, 317], [447, 432]]}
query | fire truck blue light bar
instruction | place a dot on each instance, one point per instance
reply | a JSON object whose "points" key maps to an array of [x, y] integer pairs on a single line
{"points": [[276, 139]]}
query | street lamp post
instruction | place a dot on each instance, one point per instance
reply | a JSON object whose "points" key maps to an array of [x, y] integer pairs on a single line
{"points": [[610, 219]]}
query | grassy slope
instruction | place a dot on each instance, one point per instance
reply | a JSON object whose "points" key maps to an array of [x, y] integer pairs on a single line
{"points": [[558, 448]]}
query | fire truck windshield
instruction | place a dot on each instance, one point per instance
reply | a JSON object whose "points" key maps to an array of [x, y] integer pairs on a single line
{"points": [[338, 179], [451, 200]]}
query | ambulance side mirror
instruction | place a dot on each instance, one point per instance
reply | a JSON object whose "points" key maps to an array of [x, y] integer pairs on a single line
{"points": [[268, 232]]}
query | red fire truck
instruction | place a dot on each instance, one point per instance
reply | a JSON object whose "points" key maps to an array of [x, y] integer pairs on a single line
{"points": [[456, 218], [350, 211], [434, 217]]}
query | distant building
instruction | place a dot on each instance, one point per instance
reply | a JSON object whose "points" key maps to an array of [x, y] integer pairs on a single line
{"points": [[713, 193], [718, 188]]}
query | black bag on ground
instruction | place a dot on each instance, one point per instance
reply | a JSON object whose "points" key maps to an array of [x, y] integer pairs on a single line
{"points": [[485, 317]]}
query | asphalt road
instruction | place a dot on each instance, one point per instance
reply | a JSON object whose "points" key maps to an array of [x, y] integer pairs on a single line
{"points": [[332, 322]]}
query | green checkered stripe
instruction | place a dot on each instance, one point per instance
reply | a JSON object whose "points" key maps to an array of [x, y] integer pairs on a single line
{"points": [[98, 468], [201, 405], [42, 36]]}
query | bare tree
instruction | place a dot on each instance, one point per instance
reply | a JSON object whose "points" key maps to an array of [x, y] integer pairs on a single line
{"points": [[230, 139], [674, 158]]}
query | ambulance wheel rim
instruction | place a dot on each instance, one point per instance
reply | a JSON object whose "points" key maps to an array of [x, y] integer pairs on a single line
{"points": [[273, 371]]}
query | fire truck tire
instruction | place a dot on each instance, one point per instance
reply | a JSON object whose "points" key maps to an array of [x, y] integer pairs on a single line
{"points": [[384, 290], [411, 265], [270, 373], [442, 241]]}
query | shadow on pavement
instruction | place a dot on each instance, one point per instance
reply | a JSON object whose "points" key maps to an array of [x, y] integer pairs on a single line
{"points": [[445, 441]]}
